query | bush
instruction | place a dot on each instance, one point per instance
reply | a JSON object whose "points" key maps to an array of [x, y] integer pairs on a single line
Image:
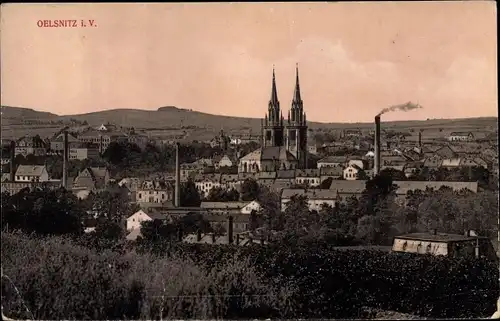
{"points": [[59, 279]]}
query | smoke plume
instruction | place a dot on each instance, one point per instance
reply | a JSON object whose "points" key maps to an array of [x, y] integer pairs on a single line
{"points": [[402, 107]]}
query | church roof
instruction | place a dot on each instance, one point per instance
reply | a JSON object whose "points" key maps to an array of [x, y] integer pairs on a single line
{"points": [[270, 153]]}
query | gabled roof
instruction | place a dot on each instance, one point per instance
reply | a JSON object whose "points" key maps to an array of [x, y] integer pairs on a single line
{"points": [[439, 237], [228, 178], [223, 205], [276, 153], [310, 172], [453, 162], [311, 194], [208, 177], [405, 186], [345, 186], [460, 133], [334, 159], [30, 170], [287, 174], [331, 171]]}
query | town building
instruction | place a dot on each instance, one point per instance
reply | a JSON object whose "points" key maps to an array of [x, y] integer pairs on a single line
{"points": [[31, 145], [31, 173], [452, 245], [284, 146], [332, 161], [316, 198], [460, 136], [91, 179], [154, 192]]}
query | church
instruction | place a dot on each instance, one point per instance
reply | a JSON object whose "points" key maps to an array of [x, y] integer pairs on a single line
{"points": [[284, 142]]}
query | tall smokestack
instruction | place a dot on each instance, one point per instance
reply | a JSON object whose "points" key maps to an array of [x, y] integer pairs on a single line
{"points": [[12, 160], [230, 230], [177, 201], [420, 139], [376, 167], [65, 161]]}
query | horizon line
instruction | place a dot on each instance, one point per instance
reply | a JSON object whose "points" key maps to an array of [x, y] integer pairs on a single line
{"points": [[233, 116]]}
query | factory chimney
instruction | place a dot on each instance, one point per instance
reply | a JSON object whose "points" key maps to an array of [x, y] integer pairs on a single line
{"points": [[230, 230], [376, 167], [12, 160], [177, 201], [65, 161], [419, 139]]}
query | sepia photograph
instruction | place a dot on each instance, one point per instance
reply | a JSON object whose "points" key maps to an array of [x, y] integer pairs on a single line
{"points": [[259, 161]]}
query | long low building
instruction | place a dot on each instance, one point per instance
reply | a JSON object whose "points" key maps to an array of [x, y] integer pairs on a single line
{"points": [[341, 190]]}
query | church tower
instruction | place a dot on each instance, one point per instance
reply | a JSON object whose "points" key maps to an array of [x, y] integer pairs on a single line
{"points": [[272, 125], [296, 129]]}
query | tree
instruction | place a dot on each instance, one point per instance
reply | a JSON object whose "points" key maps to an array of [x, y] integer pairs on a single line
{"points": [[189, 195], [45, 212], [218, 194], [249, 190], [219, 229]]}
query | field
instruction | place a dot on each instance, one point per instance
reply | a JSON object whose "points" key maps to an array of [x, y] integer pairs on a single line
{"points": [[170, 122]]}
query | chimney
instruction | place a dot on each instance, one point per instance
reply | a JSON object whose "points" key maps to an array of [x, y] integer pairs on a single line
{"points": [[434, 232], [179, 234], [12, 160], [65, 161], [177, 201], [230, 230], [213, 238], [467, 233], [420, 139], [237, 239], [376, 167], [198, 235]]}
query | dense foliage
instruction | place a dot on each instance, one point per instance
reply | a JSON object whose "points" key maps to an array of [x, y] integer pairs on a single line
{"points": [[60, 280]]}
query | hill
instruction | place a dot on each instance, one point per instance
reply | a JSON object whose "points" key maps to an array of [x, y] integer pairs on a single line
{"points": [[171, 121]]}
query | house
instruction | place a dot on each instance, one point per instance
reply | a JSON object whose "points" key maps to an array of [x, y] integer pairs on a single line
{"points": [[226, 161], [412, 168], [205, 182], [331, 172], [31, 173], [230, 181], [33, 145], [452, 245], [270, 158], [132, 184], [445, 152], [332, 161], [91, 179], [461, 136], [102, 138], [352, 172], [309, 177], [316, 198], [356, 161], [57, 143], [189, 170], [240, 239], [134, 221], [153, 191], [83, 151], [433, 162], [451, 162]]}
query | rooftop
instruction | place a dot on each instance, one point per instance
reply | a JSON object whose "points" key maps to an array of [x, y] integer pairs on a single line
{"points": [[439, 237]]}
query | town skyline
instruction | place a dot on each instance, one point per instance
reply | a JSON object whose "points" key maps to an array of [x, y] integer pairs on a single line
{"points": [[222, 64]]}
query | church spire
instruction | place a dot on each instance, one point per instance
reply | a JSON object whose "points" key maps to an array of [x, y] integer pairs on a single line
{"points": [[274, 93], [296, 96]]}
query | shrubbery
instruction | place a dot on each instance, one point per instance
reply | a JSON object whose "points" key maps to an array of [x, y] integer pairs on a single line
{"points": [[60, 280]]}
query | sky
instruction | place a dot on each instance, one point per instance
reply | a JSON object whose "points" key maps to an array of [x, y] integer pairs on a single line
{"points": [[354, 58]]}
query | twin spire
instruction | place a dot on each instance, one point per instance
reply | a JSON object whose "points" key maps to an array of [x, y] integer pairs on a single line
{"points": [[297, 113]]}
